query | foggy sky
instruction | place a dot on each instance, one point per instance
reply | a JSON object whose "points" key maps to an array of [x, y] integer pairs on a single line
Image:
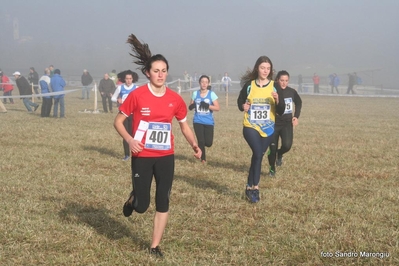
{"points": [[207, 36]]}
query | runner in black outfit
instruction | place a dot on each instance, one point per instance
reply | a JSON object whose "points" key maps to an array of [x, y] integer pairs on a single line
{"points": [[284, 123]]}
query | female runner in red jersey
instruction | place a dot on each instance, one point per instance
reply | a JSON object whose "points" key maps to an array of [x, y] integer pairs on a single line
{"points": [[153, 107]]}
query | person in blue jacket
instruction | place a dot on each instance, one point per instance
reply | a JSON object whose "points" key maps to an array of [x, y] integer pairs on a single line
{"points": [[205, 102], [334, 82], [57, 84]]}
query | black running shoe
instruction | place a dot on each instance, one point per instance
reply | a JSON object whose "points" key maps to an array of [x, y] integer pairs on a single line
{"points": [[128, 206], [272, 172], [279, 161], [156, 252], [255, 194], [248, 194]]}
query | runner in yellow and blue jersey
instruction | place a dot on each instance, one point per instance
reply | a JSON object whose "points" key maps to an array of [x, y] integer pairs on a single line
{"points": [[260, 102]]}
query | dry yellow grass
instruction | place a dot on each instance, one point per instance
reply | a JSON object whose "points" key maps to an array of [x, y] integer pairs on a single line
{"points": [[63, 184]]}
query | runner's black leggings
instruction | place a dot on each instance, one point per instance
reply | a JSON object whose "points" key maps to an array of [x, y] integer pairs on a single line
{"points": [[143, 170], [258, 145], [204, 134], [286, 133]]}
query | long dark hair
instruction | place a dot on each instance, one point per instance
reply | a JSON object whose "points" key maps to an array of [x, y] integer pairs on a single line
{"points": [[253, 74], [142, 53], [122, 75]]}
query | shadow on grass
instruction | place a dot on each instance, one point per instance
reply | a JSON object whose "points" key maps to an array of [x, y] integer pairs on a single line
{"points": [[16, 109], [225, 165], [241, 172], [99, 220], [207, 184], [102, 150]]}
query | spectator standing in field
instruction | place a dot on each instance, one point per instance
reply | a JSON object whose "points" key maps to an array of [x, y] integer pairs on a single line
{"points": [[260, 102], [335, 83], [204, 102], [128, 78], [57, 84], [284, 126], [113, 76], [3, 109], [357, 81], [153, 106], [331, 82], [44, 83], [316, 82], [51, 67], [86, 81], [226, 82], [25, 89], [351, 84], [106, 89], [187, 84], [34, 79], [7, 87], [300, 81], [195, 77]]}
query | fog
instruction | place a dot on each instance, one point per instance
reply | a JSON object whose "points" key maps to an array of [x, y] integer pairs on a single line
{"points": [[207, 36]]}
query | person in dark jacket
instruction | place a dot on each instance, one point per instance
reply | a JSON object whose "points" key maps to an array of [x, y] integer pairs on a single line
{"points": [[86, 81], [284, 123], [352, 82], [34, 80], [25, 89], [106, 89]]}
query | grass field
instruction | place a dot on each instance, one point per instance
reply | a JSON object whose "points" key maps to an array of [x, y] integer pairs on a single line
{"points": [[333, 202]]}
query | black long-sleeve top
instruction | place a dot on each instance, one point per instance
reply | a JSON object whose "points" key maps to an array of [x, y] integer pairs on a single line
{"points": [[23, 86], [289, 93], [34, 78]]}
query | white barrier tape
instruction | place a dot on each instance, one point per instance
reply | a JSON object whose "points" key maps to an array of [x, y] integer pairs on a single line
{"points": [[192, 89], [174, 81], [30, 85], [197, 88], [350, 95], [75, 86], [39, 95]]}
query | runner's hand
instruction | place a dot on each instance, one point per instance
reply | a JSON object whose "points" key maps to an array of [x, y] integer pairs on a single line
{"points": [[294, 121], [275, 96], [135, 146], [197, 151]]}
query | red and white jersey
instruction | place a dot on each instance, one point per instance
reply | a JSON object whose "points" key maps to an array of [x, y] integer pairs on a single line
{"points": [[158, 112]]}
